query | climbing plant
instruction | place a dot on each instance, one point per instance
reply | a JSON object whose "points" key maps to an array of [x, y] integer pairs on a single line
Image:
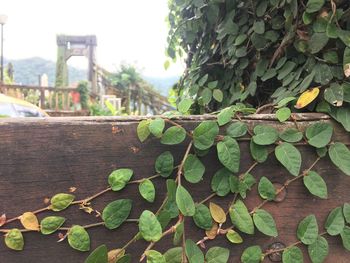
{"points": [[179, 207], [260, 52]]}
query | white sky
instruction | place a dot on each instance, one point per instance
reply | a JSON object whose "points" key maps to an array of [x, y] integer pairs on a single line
{"points": [[134, 31]]}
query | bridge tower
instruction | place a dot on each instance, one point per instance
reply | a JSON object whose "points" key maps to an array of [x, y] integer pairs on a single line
{"points": [[68, 46]]}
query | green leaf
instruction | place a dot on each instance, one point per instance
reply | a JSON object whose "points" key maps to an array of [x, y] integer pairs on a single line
{"points": [[283, 114], [305, 84], [286, 70], [316, 185], [179, 231], [241, 218], [218, 95], [334, 95], [173, 255], [264, 135], [193, 252], [164, 164], [14, 239], [265, 223], [259, 27], [149, 226], [234, 183], [284, 102], [318, 250], [237, 129], [240, 39], [345, 236], [319, 134], [184, 105], [225, 116], [116, 212], [289, 157], [193, 169], [258, 152], [220, 182], [343, 116], [154, 256], [346, 212], [335, 222], [291, 135], [234, 237], [229, 153], [261, 8], [173, 135], [202, 217], [213, 84], [99, 255], [340, 156], [313, 6], [206, 96], [317, 42], [217, 255], [266, 189], [147, 190], [143, 130], [323, 74], [252, 254], [60, 202], [204, 135], [184, 201], [50, 224], [119, 178], [245, 184], [308, 230], [203, 80], [78, 238], [292, 255], [156, 127]]}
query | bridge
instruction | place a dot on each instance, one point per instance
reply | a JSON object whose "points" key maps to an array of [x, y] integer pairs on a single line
{"points": [[139, 98]]}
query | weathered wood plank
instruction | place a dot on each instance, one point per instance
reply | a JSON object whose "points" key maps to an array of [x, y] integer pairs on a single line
{"points": [[41, 157]]}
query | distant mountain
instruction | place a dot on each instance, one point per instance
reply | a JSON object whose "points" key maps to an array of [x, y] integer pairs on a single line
{"points": [[162, 84], [27, 71]]}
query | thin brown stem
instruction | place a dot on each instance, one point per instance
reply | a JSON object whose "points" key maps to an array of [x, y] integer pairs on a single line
{"points": [[179, 170], [207, 198], [143, 179], [264, 107], [272, 251], [34, 212], [67, 228]]}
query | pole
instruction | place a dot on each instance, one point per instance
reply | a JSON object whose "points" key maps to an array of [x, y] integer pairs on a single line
{"points": [[2, 54]]}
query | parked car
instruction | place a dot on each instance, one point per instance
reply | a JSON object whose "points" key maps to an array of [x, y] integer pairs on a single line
{"points": [[12, 107]]}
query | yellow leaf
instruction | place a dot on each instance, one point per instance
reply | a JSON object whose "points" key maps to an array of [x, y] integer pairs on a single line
{"points": [[307, 97], [30, 221], [212, 233], [347, 70], [115, 254], [217, 213]]}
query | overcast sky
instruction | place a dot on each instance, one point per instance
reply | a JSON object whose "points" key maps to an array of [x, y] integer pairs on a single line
{"points": [[134, 31]]}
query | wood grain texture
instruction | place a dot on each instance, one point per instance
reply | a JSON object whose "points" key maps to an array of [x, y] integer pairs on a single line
{"points": [[42, 157]]}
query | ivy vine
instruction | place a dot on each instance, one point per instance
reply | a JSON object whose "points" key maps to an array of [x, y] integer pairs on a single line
{"points": [[260, 52], [210, 217]]}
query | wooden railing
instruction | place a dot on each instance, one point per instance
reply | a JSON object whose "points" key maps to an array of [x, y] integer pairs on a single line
{"points": [[50, 98]]}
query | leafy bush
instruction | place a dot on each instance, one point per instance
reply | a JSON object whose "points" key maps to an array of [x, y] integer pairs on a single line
{"points": [[262, 51]]}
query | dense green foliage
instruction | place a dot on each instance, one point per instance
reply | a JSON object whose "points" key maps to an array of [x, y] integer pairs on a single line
{"points": [[262, 51]]}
